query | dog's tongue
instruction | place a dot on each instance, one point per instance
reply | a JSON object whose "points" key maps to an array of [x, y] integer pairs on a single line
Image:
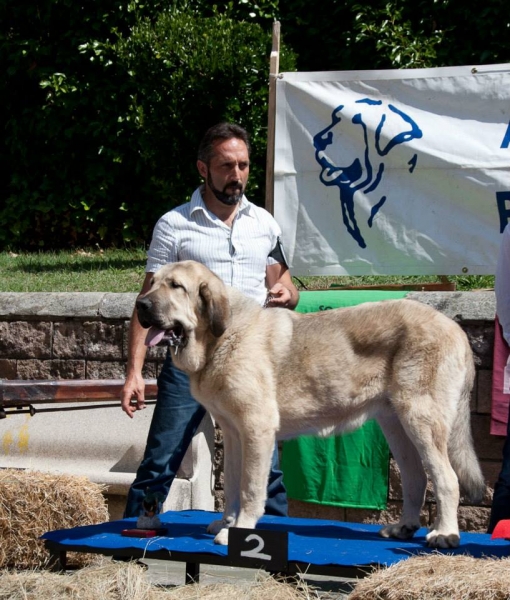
{"points": [[154, 336]]}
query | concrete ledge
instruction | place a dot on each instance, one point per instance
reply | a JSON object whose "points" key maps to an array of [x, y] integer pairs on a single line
{"points": [[48, 305], [457, 305], [460, 306]]}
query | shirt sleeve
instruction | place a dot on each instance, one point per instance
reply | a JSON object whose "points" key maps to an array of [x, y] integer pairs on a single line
{"points": [[275, 235], [502, 284], [164, 247]]}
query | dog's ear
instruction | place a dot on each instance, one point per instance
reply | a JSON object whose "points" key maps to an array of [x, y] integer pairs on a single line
{"points": [[216, 306]]}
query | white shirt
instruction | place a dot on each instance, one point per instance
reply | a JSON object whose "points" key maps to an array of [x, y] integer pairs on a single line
{"points": [[502, 284], [238, 254]]}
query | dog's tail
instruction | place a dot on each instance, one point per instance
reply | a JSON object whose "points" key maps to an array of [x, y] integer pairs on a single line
{"points": [[460, 445]]}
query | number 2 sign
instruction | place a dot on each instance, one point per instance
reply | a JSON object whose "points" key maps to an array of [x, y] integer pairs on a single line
{"points": [[260, 548]]}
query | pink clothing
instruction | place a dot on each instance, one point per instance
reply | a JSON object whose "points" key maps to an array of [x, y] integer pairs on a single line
{"points": [[502, 284], [500, 400]]}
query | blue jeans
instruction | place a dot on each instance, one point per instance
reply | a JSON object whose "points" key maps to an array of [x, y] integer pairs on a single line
{"points": [[500, 508], [176, 418]]}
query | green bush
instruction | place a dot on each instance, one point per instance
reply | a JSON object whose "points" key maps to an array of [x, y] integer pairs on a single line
{"points": [[103, 103], [54, 116], [105, 110]]}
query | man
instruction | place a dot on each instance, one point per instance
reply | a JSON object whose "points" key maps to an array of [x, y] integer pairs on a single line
{"points": [[239, 242]]}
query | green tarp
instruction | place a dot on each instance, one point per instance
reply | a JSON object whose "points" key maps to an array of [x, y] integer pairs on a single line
{"points": [[349, 470]]}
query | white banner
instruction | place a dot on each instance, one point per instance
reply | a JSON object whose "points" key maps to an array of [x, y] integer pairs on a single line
{"points": [[393, 172]]}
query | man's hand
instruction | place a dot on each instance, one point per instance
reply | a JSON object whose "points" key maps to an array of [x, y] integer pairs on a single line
{"points": [[282, 292], [279, 295], [134, 387]]}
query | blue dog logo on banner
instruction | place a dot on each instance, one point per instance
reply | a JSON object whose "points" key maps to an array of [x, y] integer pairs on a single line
{"points": [[352, 151]]}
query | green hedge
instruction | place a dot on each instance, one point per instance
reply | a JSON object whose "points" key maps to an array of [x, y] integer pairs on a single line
{"points": [[103, 109], [389, 34]]}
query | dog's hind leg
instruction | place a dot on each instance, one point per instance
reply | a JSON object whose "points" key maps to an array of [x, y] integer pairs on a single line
{"points": [[445, 530], [431, 440], [412, 474], [429, 431]]}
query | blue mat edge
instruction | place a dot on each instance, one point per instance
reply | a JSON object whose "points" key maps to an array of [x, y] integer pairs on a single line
{"points": [[313, 541]]}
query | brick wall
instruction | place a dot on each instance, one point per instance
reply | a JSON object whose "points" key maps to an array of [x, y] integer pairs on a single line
{"points": [[67, 336]]}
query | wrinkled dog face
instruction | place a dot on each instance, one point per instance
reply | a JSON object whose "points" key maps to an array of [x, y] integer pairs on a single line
{"points": [[168, 308], [185, 299], [365, 141]]}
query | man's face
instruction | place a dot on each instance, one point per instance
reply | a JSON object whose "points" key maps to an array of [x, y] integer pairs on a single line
{"points": [[226, 175]]}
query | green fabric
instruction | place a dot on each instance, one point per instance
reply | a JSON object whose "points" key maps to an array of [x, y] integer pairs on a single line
{"points": [[324, 299], [349, 470]]}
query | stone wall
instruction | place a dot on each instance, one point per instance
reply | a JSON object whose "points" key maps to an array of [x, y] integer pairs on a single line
{"points": [[67, 336], [70, 336]]}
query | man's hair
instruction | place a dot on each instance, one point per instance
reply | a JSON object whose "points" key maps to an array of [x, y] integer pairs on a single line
{"points": [[221, 131]]}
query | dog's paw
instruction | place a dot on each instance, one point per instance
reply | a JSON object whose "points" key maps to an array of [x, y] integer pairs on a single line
{"points": [[216, 526], [441, 540], [401, 532], [222, 538]]}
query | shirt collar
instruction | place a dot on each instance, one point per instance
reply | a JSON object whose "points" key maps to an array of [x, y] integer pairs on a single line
{"points": [[197, 203]]}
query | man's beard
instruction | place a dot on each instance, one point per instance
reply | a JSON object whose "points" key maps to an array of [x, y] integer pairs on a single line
{"points": [[222, 196]]}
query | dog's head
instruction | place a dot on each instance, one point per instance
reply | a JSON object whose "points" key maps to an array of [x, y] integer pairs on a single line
{"points": [[186, 302], [353, 154]]}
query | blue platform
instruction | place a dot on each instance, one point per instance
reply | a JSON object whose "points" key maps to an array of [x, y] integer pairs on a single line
{"points": [[321, 546]]}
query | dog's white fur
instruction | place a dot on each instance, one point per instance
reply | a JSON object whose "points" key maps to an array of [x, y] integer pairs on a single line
{"points": [[272, 373]]}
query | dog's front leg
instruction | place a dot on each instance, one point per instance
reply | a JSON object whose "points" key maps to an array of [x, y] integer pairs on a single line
{"points": [[257, 450], [232, 482]]}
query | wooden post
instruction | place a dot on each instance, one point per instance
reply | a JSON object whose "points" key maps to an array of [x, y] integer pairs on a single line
{"points": [[274, 64]]}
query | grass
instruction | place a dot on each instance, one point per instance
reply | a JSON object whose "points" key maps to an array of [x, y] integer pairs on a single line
{"points": [[122, 270], [73, 271]]}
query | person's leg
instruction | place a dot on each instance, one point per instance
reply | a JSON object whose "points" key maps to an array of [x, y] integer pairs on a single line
{"points": [[500, 508], [176, 418], [276, 503]]}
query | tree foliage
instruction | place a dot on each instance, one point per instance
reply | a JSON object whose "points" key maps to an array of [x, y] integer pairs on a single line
{"points": [[103, 103], [384, 34], [105, 109]]}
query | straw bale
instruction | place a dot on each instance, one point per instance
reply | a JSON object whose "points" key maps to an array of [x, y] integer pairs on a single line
{"points": [[436, 577], [109, 581], [128, 581], [32, 503]]}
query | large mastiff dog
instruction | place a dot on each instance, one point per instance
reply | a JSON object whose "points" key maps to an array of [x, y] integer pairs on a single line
{"points": [[272, 373]]}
